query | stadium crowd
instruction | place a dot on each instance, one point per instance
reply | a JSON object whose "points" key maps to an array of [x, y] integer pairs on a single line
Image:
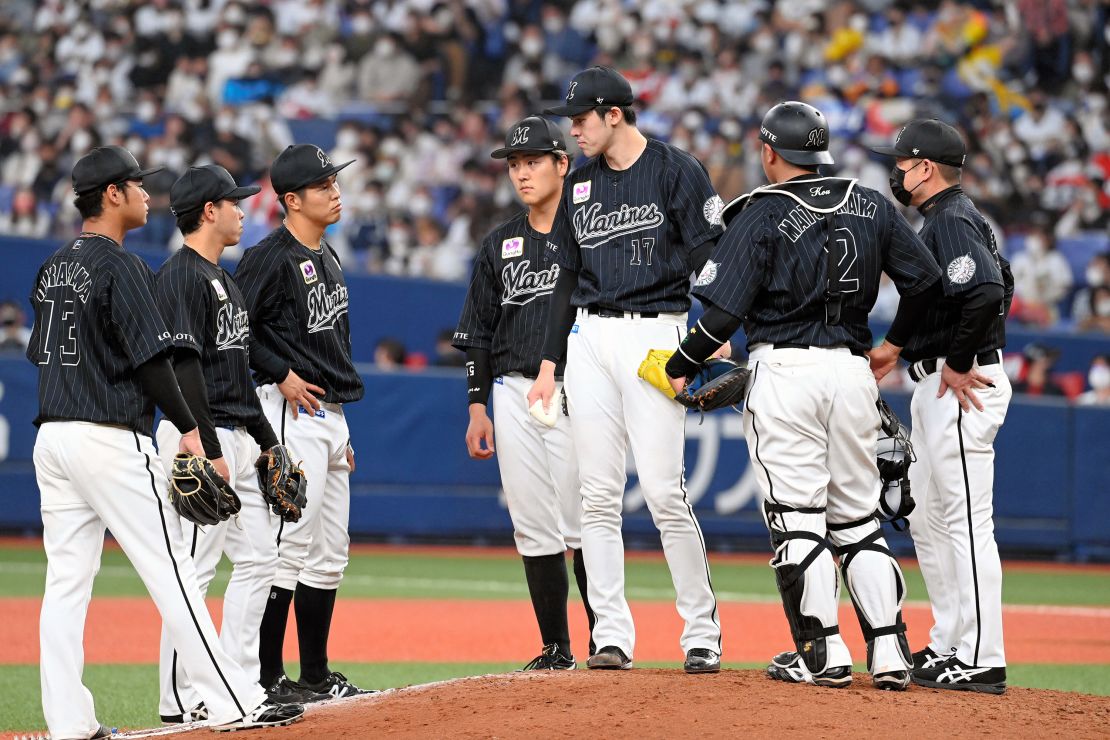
{"points": [[420, 91]]}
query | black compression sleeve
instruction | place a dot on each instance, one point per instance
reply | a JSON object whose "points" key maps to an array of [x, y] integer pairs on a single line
{"points": [[980, 307], [712, 330], [479, 375], [157, 380], [261, 432], [190, 377], [699, 255], [910, 311], [560, 316]]}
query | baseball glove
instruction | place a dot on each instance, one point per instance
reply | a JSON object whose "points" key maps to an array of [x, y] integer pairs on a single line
{"points": [[653, 370], [719, 383], [282, 482], [200, 494], [895, 456]]}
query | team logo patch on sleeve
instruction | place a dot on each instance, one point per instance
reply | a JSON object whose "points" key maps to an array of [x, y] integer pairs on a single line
{"points": [[712, 210], [308, 271], [708, 274], [961, 270], [581, 191], [219, 288], [512, 247]]}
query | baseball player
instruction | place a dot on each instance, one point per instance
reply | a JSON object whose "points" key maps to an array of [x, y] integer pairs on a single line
{"points": [[957, 348], [800, 263], [301, 358], [633, 224], [102, 351], [501, 330], [207, 316]]}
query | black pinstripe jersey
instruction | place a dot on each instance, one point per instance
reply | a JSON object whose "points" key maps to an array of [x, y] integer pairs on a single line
{"points": [[963, 244], [297, 301], [95, 322], [771, 266], [206, 313], [506, 305], [629, 233]]}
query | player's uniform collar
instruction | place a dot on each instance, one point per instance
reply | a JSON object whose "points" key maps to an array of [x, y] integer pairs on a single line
{"points": [[816, 193], [933, 202]]}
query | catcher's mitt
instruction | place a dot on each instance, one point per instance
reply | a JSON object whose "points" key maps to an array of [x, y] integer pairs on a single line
{"points": [[719, 383], [894, 459], [200, 494], [282, 482]]}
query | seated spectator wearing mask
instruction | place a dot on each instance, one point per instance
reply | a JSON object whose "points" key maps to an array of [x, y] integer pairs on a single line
{"points": [[1098, 377], [14, 332], [1039, 359], [1042, 278], [1091, 306]]}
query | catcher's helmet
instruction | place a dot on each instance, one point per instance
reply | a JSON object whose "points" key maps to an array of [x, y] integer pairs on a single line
{"points": [[798, 133]]}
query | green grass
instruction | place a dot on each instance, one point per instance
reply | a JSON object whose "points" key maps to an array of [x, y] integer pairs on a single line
{"points": [[428, 576], [127, 695]]}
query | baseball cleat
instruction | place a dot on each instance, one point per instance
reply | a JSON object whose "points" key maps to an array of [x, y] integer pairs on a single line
{"points": [[102, 732], [287, 691], [892, 680], [265, 715], [551, 660], [610, 657], [928, 658], [337, 686], [955, 674], [702, 660], [196, 714], [790, 668]]}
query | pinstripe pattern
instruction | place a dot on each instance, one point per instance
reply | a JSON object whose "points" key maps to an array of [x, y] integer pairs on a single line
{"points": [[772, 268], [962, 243], [297, 301], [95, 322], [211, 321], [506, 305], [630, 239]]}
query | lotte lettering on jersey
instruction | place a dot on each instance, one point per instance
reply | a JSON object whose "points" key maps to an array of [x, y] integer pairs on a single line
{"points": [[205, 312], [506, 305], [297, 301], [95, 323], [629, 233]]}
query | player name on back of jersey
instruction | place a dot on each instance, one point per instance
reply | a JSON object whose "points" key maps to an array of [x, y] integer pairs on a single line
{"points": [[64, 274], [799, 219], [325, 306], [523, 285], [593, 228]]}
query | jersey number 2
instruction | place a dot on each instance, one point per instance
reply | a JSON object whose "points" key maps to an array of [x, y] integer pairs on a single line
{"points": [[649, 244], [846, 241], [66, 336]]}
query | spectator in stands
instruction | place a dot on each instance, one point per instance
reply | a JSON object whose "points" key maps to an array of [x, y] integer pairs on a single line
{"points": [[1098, 377], [14, 332], [1039, 359], [388, 75], [26, 218], [1042, 276], [1099, 307], [389, 354], [446, 355], [1096, 275]]}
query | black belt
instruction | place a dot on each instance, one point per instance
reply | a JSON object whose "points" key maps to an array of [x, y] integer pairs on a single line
{"points": [[613, 313], [929, 366], [790, 345]]}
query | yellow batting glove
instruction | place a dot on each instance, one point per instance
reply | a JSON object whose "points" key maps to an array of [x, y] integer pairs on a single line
{"points": [[654, 370]]}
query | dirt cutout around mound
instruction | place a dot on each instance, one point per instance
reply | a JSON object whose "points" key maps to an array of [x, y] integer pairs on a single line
{"points": [[645, 703]]}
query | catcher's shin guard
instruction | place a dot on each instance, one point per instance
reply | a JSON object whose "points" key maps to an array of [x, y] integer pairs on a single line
{"points": [[808, 631], [877, 588]]}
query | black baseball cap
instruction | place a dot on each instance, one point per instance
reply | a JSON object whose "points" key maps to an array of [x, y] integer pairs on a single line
{"points": [[532, 134], [104, 166], [593, 87], [208, 183], [927, 138], [300, 165]]}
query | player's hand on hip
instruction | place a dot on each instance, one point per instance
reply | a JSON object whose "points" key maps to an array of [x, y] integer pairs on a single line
{"points": [[221, 467], [300, 393], [724, 353], [883, 359], [190, 443], [543, 388], [479, 429], [963, 385], [351, 457], [677, 383]]}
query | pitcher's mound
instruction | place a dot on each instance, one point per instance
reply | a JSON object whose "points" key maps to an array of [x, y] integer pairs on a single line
{"points": [[645, 703]]}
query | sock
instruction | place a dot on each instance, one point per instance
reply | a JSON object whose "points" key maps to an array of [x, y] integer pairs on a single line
{"points": [[580, 577], [271, 635], [314, 607], [548, 587]]}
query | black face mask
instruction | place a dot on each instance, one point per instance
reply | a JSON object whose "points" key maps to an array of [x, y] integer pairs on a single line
{"points": [[898, 187]]}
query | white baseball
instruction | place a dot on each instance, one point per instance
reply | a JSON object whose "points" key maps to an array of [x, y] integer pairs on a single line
{"points": [[546, 418]]}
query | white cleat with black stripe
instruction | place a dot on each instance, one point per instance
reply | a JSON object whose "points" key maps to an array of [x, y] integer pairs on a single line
{"points": [[790, 667]]}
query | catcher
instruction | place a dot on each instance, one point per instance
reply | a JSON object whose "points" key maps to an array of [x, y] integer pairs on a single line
{"points": [[207, 318]]}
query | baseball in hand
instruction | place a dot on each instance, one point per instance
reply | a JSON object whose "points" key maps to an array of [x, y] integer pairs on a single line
{"points": [[544, 417]]}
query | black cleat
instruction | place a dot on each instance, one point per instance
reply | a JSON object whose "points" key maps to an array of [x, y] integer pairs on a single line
{"points": [[702, 660], [551, 660], [955, 674], [610, 657], [337, 686], [288, 691]]}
